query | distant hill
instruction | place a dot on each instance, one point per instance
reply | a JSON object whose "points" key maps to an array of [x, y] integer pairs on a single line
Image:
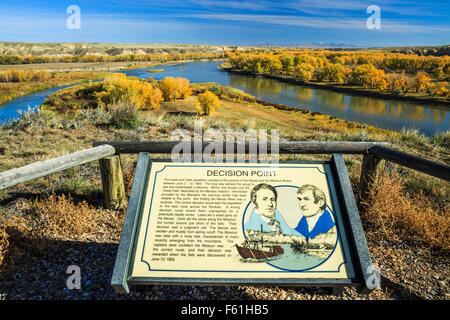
{"points": [[117, 49], [421, 51], [111, 49]]}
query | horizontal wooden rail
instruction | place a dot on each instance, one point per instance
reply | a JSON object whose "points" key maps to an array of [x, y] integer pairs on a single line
{"points": [[432, 168], [43, 168], [289, 147]]}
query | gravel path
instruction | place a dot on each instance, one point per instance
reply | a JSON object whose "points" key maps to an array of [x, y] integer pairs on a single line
{"points": [[44, 277]]}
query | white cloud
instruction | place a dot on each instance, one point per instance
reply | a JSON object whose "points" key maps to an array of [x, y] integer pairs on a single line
{"points": [[388, 25]]}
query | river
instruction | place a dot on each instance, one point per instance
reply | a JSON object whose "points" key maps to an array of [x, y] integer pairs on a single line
{"points": [[382, 113]]}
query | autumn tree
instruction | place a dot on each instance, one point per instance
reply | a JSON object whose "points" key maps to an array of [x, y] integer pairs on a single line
{"points": [[398, 83], [118, 88], [183, 89], [335, 72], [174, 88], [301, 58], [286, 62], [369, 77], [304, 72], [421, 81], [438, 89], [207, 103]]}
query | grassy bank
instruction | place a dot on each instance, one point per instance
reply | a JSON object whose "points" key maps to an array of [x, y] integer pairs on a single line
{"points": [[406, 222], [12, 90]]}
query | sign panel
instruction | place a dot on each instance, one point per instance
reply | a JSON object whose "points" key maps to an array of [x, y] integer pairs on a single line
{"points": [[236, 223]]}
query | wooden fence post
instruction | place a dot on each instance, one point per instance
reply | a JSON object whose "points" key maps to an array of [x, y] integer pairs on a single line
{"points": [[368, 177], [112, 182]]}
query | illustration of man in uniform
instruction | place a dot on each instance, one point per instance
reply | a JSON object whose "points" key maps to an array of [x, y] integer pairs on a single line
{"points": [[316, 218], [265, 214]]}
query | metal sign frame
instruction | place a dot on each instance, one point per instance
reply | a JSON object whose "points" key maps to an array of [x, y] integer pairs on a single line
{"points": [[355, 247]]}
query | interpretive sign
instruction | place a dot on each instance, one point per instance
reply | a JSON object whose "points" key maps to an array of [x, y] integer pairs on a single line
{"points": [[240, 223]]}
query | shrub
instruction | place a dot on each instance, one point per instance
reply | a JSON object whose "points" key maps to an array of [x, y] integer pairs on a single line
{"points": [[60, 217], [182, 121], [124, 115], [94, 115], [154, 118], [33, 117], [207, 103], [442, 139], [4, 244], [438, 88], [14, 75], [399, 216], [118, 87], [174, 88], [414, 135], [28, 227]]}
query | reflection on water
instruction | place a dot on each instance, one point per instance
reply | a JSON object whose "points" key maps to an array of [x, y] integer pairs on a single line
{"points": [[368, 106], [438, 115], [388, 114], [332, 99], [305, 95]]}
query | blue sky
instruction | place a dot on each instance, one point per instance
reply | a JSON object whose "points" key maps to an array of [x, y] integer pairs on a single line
{"points": [[229, 22]]}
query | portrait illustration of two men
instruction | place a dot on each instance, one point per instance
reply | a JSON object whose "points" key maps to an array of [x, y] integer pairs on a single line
{"points": [[291, 224]]}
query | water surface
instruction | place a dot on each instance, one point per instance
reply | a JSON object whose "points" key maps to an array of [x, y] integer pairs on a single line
{"points": [[382, 113], [12, 110]]}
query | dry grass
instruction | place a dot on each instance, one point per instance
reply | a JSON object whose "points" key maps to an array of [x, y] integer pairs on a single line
{"points": [[59, 217], [4, 244], [28, 227], [16, 237], [396, 215]]}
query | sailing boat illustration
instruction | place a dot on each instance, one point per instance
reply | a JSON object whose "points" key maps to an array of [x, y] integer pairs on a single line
{"points": [[258, 250]]}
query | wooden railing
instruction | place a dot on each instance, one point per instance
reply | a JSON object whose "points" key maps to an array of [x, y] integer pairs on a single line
{"points": [[43, 168], [108, 153]]}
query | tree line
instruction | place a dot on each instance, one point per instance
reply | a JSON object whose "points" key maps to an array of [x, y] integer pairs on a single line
{"points": [[14, 59], [389, 72]]}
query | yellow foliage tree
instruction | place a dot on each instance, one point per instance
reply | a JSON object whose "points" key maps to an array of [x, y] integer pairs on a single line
{"points": [[207, 103], [369, 77], [174, 88], [421, 81], [168, 88], [117, 87], [335, 72], [400, 83], [304, 72], [182, 87], [439, 89]]}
